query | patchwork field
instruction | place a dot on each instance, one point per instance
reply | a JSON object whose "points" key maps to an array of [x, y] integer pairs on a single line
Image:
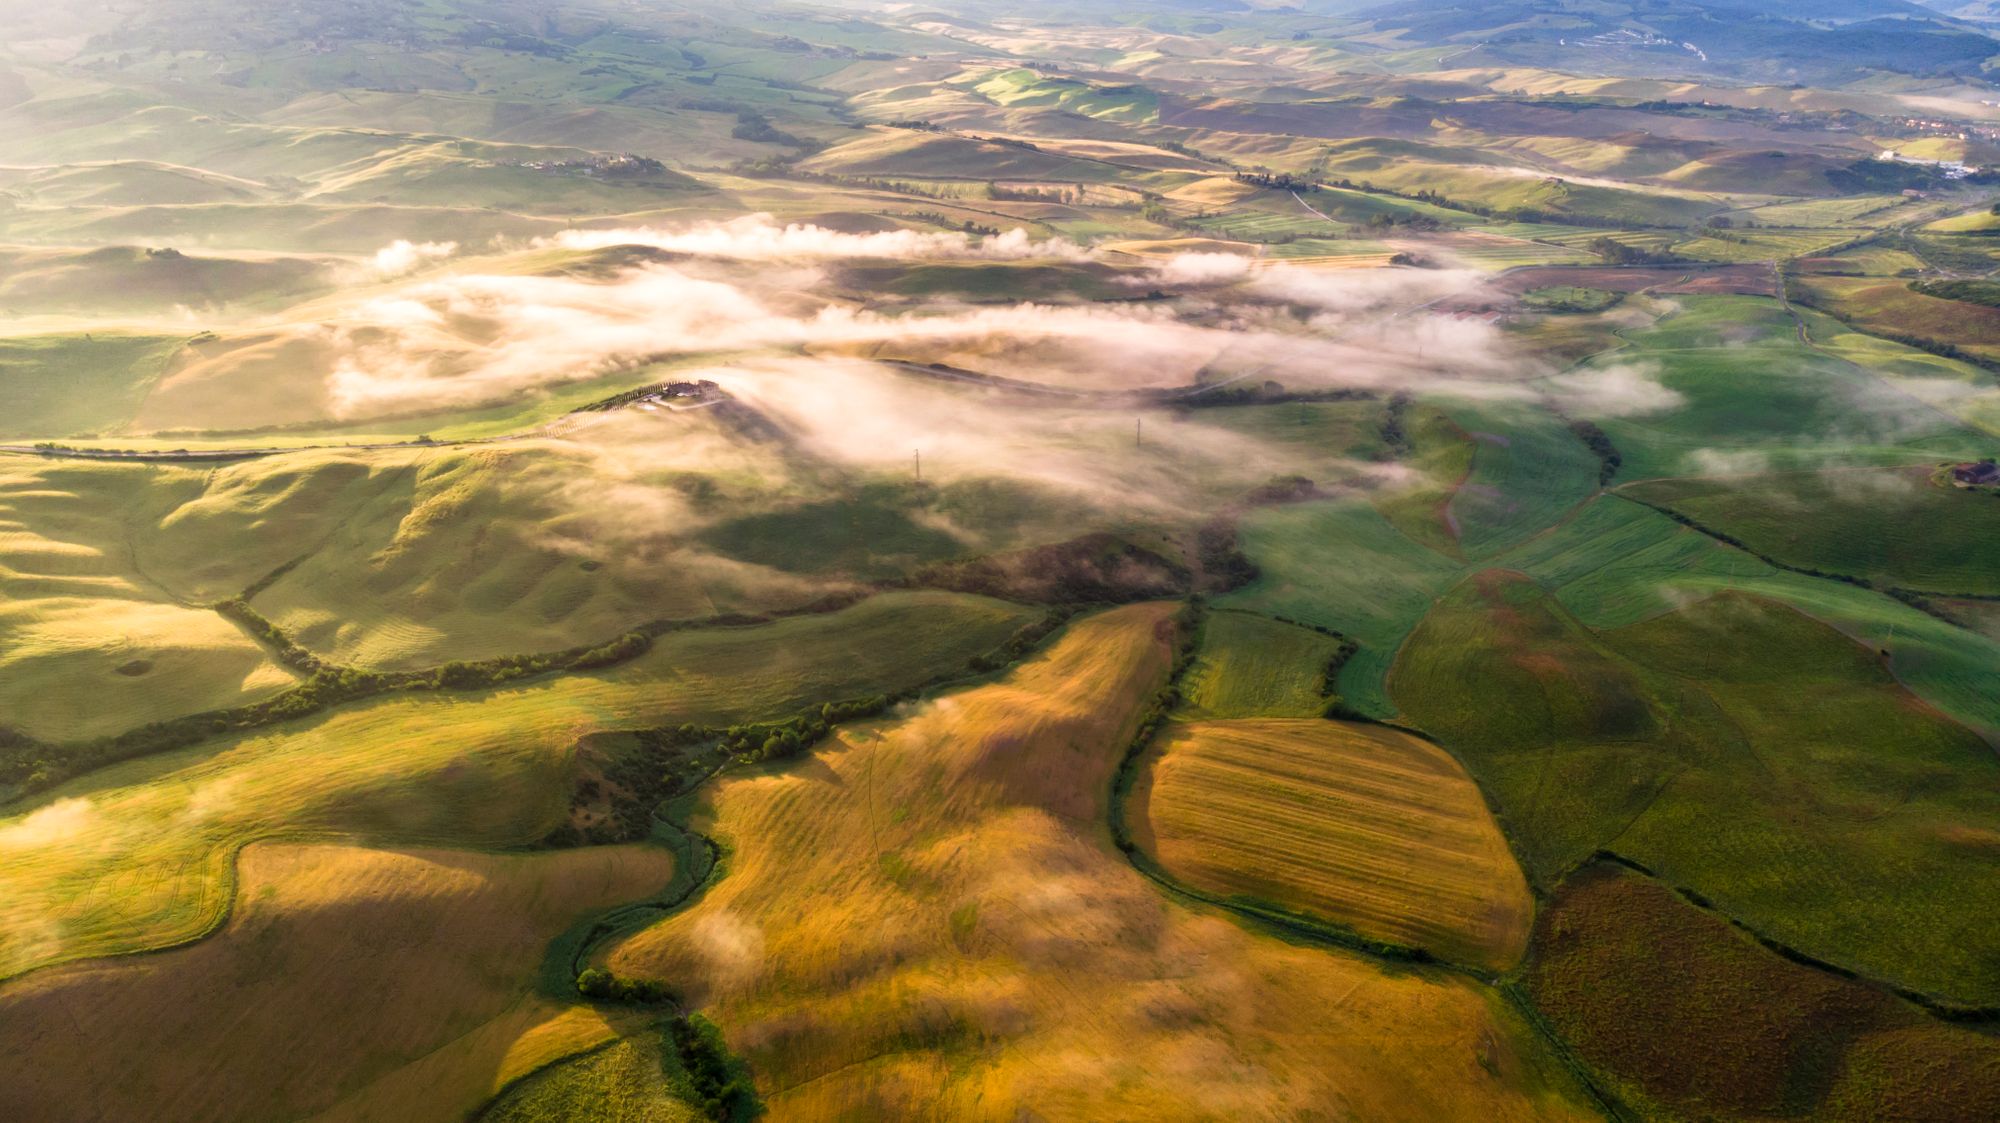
{"points": [[947, 929], [1163, 560], [1357, 824]]}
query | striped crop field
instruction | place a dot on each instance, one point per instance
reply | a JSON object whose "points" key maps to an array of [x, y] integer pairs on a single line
{"points": [[1359, 824], [1762, 245], [1577, 237], [1489, 251]]}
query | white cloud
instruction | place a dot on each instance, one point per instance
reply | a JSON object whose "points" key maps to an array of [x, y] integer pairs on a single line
{"points": [[1617, 390], [404, 256], [61, 821]]}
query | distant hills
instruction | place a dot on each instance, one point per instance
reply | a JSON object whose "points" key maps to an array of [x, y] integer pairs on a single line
{"points": [[1760, 40]]}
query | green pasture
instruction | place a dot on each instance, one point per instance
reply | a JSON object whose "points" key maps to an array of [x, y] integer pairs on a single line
{"points": [[1741, 748]]}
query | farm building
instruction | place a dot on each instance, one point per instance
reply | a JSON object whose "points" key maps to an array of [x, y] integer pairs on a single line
{"points": [[1983, 473]]}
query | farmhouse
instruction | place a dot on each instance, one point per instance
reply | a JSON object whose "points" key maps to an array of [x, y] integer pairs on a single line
{"points": [[1983, 473]]}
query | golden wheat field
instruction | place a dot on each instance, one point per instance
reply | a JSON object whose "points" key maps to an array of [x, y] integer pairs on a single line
{"points": [[1359, 824], [928, 920], [362, 983]]}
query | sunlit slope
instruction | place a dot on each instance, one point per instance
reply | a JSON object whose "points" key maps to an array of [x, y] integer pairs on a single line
{"points": [[929, 918], [140, 854], [78, 384], [159, 280], [1363, 825], [90, 642], [619, 1083], [1703, 742], [421, 954]]}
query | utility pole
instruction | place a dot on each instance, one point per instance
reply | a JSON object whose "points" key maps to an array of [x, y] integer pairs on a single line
{"points": [[917, 459], [1138, 432]]}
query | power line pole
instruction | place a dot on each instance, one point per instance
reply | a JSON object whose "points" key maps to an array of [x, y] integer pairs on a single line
{"points": [[917, 459], [1138, 432]]}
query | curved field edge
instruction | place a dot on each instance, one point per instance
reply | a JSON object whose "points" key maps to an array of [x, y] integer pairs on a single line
{"points": [[1687, 1014], [482, 771], [929, 835], [277, 982], [1624, 739], [1360, 825]]}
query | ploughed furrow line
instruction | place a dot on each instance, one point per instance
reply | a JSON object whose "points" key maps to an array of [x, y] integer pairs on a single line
{"points": [[1362, 825]]}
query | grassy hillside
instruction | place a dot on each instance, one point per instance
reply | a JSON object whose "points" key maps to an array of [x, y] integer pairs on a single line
{"points": [[1896, 527], [78, 384], [1253, 666], [141, 855], [1689, 1016], [90, 643]]}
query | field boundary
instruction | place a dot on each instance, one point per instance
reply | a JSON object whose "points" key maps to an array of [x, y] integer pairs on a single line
{"points": [[1943, 1009]]}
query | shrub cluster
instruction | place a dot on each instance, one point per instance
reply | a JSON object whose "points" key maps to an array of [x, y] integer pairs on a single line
{"points": [[717, 1080], [1224, 565], [1609, 459], [1187, 627], [600, 985], [1024, 640], [1395, 430]]}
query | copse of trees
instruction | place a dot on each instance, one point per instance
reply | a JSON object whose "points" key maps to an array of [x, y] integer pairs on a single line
{"points": [[711, 1075], [1395, 430], [1280, 181], [1187, 627], [1609, 459], [1618, 253], [600, 985]]}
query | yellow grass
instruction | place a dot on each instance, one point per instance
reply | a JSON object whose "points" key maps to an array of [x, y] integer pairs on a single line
{"points": [[339, 967], [139, 855], [1359, 824], [928, 921]]}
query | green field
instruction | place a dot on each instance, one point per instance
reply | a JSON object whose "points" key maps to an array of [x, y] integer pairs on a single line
{"points": [[1892, 526], [1802, 406], [1690, 1017], [77, 385], [1382, 586], [1253, 666], [1702, 758]]}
